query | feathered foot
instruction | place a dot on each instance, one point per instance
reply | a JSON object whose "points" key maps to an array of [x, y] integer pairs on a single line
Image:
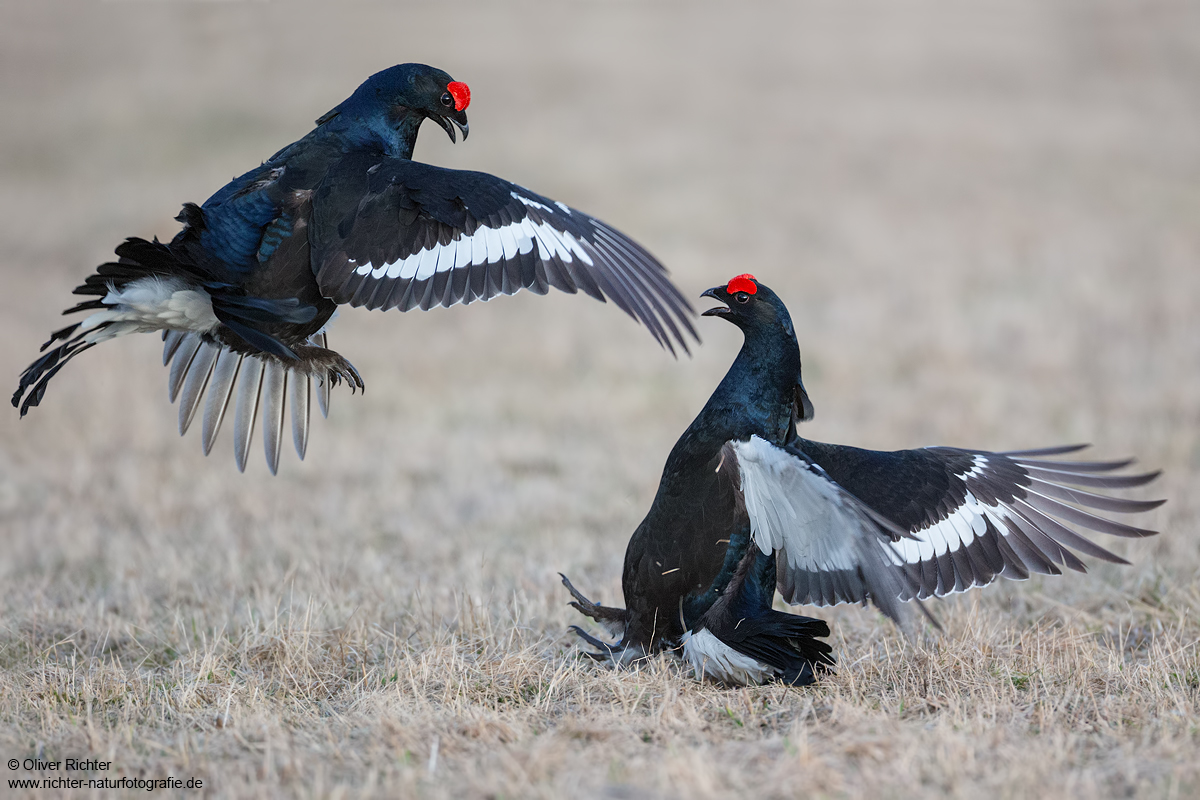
{"points": [[323, 362]]}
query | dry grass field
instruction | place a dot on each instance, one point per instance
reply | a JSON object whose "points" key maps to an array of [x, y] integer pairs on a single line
{"points": [[984, 216]]}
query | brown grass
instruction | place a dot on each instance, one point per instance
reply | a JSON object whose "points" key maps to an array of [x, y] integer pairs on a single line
{"points": [[983, 217]]}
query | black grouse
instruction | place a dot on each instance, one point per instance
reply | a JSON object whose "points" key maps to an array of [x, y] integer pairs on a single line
{"points": [[244, 291], [746, 506]]}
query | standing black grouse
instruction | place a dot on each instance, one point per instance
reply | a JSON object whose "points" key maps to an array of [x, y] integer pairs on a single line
{"points": [[243, 292], [745, 506]]}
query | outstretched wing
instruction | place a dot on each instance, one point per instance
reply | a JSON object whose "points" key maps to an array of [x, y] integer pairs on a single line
{"points": [[831, 547], [966, 517], [975, 516], [401, 234]]}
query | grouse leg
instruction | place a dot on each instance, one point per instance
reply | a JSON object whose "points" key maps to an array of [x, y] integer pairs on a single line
{"points": [[323, 362], [613, 620]]}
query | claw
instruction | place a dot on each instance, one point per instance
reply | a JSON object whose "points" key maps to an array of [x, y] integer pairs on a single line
{"points": [[618, 654], [612, 619], [574, 592], [609, 650], [343, 370], [331, 367]]}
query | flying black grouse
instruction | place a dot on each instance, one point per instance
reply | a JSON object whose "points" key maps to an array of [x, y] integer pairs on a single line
{"points": [[745, 505], [243, 292]]}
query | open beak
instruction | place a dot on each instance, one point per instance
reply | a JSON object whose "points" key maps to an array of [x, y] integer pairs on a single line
{"points": [[458, 118], [719, 294]]}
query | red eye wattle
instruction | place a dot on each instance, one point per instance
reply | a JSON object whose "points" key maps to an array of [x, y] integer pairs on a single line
{"points": [[461, 94], [742, 283]]}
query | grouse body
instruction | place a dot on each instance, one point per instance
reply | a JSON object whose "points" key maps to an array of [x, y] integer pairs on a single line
{"points": [[746, 506], [242, 294]]}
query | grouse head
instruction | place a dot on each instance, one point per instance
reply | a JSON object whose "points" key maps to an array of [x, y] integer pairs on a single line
{"points": [[750, 305], [392, 104]]}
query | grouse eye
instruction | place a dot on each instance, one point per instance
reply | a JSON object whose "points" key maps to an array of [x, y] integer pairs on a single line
{"points": [[741, 297], [447, 100]]}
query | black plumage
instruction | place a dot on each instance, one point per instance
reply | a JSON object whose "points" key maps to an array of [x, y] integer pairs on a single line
{"points": [[343, 216], [747, 506]]}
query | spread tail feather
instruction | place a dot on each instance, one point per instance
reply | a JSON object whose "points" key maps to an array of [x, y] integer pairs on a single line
{"points": [[147, 288], [32, 387], [75, 339]]}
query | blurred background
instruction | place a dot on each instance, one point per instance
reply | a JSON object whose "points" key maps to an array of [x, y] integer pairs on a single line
{"points": [[982, 215]]}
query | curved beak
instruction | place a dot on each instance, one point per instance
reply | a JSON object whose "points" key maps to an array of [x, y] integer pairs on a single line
{"points": [[719, 294], [458, 118]]}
